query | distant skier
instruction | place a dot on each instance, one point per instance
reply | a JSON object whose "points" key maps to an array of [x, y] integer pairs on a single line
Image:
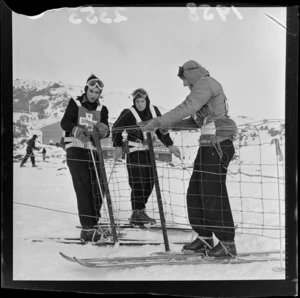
{"points": [[29, 151], [85, 114], [44, 154], [208, 205], [138, 158]]}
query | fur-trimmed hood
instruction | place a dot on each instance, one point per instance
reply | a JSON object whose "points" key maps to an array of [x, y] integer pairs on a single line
{"points": [[193, 71]]}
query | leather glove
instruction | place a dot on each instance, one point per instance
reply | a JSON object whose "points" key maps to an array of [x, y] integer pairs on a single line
{"points": [[164, 131], [149, 125], [143, 124], [102, 129], [174, 150], [80, 134], [117, 153]]}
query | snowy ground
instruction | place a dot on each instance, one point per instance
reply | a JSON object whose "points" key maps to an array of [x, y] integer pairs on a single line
{"points": [[45, 206]]}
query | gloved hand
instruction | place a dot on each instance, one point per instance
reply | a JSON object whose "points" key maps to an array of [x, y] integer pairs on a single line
{"points": [[142, 124], [117, 153], [80, 134], [163, 131], [149, 125], [102, 129], [174, 150]]}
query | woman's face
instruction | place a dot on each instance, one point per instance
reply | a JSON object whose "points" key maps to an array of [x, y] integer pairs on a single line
{"points": [[92, 94], [140, 104]]}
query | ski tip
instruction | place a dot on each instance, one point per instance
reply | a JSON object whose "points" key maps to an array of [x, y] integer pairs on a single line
{"points": [[62, 254], [67, 257], [83, 263]]}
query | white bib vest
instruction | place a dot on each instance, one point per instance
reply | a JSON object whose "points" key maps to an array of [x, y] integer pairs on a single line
{"points": [[138, 118], [134, 146], [86, 119]]}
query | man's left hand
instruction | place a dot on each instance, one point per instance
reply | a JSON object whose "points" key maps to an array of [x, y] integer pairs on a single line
{"points": [[174, 150]]}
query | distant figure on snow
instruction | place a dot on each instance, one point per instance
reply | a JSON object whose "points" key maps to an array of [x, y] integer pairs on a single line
{"points": [[44, 154], [29, 151]]}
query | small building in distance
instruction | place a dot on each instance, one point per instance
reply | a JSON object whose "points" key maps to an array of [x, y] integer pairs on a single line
{"points": [[52, 133]]}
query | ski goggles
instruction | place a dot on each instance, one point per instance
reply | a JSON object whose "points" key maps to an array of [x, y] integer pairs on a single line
{"points": [[93, 83], [139, 92], [181, 71]]}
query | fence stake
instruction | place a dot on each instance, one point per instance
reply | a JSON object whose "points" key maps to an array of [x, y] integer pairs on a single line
{"points": [[158, 193], [280, 157]]}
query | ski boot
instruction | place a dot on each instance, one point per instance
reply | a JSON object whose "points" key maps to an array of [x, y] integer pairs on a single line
{"points": [[91, 234], [199, 245], [224, 249], [140, 218]]}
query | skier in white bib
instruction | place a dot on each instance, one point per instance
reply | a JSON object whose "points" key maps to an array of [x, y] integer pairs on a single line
{"points": [[139, 168], [83, 116]]}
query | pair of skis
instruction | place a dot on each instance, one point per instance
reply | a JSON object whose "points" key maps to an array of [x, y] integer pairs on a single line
{"points": [[122, 241], [168, 258]]}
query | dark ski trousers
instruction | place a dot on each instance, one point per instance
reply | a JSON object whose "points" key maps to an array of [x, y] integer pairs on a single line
{"points": [[29, 154], [140, 177], [208, 205], [89, 200]]}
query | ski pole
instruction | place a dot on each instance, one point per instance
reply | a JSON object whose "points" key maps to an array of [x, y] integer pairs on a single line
{"points": [[97, 176], [106, 188], [184, 166], [111, 172]]}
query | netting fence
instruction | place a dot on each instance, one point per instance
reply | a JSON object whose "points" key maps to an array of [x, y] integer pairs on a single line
{"points": [[255, 180]]}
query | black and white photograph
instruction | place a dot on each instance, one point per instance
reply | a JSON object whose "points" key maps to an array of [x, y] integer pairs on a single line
{"points": [[149, 144]]}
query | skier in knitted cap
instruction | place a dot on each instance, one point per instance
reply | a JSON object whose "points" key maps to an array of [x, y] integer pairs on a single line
{"points": [[85, 114], [207, 199], [29, 151], [138, 158]]}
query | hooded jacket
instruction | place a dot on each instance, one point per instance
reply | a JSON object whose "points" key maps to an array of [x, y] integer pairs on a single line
{"points": [[206, 103], [128, 121]]}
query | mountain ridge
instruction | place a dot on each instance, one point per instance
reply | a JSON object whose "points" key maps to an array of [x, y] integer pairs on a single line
{"points": [[37, 104]]}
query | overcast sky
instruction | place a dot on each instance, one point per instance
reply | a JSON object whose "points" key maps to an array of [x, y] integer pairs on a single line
{"points": [[245, 52]]}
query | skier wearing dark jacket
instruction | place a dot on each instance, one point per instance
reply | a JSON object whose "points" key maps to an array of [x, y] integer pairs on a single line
{"points": [[44, 153], [29, 151], [138, 159], [83, 116], [208, 205]]}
